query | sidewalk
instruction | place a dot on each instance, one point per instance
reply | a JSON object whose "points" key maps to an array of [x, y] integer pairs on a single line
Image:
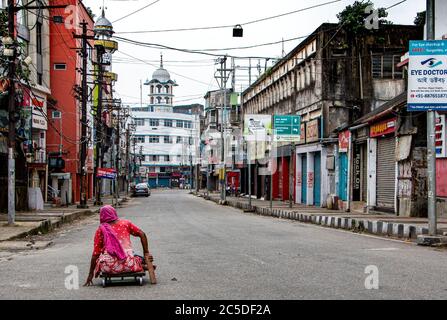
{"points": [[44, 221], [382, 225]]}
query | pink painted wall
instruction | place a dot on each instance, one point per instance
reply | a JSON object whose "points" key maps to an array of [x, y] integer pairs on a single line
{"points": [[441, 177]]}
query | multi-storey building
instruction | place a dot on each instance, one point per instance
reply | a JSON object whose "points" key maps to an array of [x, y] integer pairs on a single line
{"points": [[65, 110], [331, 79], [166, 141], [33, 95]]}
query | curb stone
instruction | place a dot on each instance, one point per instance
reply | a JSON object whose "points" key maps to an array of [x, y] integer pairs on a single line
{"points": [[382, 228]]}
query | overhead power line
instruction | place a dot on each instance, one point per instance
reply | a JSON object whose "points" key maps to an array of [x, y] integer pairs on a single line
{"points": [[153, 65], [232, 25], [136, 11]]}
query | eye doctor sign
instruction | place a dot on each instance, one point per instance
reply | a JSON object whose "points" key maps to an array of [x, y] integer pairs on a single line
{"points": [[427, 75]]}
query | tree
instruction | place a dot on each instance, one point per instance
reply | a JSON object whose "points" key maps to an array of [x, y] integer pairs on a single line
{"points": [[420, 19], [353, 17], [90, 12]]}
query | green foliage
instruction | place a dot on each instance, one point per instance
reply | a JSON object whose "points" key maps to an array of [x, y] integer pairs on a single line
{"points": [[90, 12], [3, 23], [22, 70], [420, 19], [353, 17]]}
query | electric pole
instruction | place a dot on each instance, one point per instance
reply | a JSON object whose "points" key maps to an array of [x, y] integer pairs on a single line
{"points": [[11, 113], [431, 147], [84, 98], [98, 124], [118, 154], [127, 160], [223, 74]]}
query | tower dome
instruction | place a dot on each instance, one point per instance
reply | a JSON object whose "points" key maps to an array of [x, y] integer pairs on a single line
{"points": [[103, 26], [161, 74]]}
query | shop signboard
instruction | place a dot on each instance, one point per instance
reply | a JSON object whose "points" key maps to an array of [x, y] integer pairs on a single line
{"points": [[312, 131], [343, 140], [427, 75], [106, 173], [383, 128], [257, 127], [440, 135]]}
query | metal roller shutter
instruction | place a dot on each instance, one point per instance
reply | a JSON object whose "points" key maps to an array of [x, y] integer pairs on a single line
{"points": [[386, 172]]}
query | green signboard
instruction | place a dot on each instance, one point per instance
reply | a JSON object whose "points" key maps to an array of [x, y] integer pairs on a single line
{"points": [[287, 128]]}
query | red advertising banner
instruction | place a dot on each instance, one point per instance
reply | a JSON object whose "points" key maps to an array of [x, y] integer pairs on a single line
{"points": [[106, 173], [383, 128], [343, 140]]}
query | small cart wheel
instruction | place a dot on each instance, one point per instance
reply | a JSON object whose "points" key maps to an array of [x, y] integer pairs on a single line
{"points": [[140, 281], [104, 282]]}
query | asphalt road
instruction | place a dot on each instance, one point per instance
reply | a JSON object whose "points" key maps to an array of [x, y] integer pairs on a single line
{"points": [[206, 251]]}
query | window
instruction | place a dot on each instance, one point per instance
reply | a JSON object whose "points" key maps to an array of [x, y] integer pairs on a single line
{"points": [[384, 66], [168, 123], [167, 139], [58, 19], [179, 124], [179, 139], [139, 139], [56, 115], [167, 158], [60, 66], [139, 122], [154, 158], [154, 122], [154, 139], [39, 53]]}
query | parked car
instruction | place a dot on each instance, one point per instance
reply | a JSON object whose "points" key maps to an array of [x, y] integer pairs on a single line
{"points": [[141, 189]]}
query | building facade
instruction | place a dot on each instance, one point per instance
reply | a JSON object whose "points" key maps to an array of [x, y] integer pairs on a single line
{"points": [[65, 111], [33, 95], [220, 112], [167, 142], [331, 79]]}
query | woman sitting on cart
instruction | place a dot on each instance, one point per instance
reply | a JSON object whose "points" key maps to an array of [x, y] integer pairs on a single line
{"points": [[113, 253]]}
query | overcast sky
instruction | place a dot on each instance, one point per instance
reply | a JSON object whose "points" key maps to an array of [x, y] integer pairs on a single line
{"points": [[194, 73]]}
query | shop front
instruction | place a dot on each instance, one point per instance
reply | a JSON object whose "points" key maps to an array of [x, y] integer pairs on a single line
{"points": [[310, 174], [164, 180], [383, 165]]}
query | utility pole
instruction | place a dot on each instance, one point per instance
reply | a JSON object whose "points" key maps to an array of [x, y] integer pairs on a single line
{"points": [[118, 155], [98, 122], [12, 122], [84, 98], [431, 147], [223, 77], [127, 160]]}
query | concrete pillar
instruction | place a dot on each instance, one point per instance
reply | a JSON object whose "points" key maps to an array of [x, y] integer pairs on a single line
{"points": [[298, 183], [324, 178], [372, 170], [310, 178]]}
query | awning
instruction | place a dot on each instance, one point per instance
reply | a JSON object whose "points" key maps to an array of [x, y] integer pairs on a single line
{"points": [[384, 110]]}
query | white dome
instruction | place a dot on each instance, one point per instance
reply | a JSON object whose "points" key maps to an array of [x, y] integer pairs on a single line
{"points": [[161, 75]]}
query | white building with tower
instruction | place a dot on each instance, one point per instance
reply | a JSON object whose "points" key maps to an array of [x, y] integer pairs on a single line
{"points": [[166, 141]]}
